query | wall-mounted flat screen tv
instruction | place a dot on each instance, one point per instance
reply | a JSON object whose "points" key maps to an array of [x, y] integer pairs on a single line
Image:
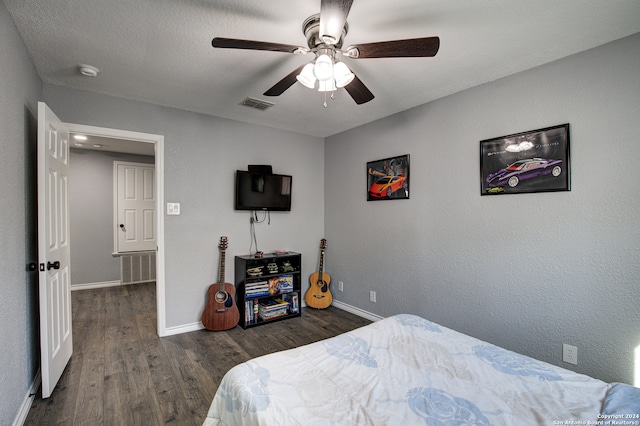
{"points": [[259, 191]]}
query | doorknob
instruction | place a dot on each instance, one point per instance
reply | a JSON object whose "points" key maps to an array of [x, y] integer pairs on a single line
{"points": [[122, 226], [53, 265]]}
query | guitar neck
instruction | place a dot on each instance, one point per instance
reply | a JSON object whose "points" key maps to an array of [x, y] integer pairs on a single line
{"points": [[321, 267], [222, 268]]}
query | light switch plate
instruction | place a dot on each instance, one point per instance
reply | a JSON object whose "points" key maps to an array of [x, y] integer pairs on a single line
{"points": [[173, 209]]}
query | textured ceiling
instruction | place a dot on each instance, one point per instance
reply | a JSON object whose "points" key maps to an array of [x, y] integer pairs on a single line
{"points": [[159, 51]]}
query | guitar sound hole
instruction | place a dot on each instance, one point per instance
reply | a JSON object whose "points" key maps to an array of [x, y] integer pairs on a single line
{"points": [[221, 296]]}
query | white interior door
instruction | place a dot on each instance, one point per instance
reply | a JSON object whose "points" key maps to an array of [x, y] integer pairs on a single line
{"points": [[56, 344], [135, 201]]}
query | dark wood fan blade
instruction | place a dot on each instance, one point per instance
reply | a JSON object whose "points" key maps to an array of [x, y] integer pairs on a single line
{"points": [[333, 15], [279, 88], [415, 47], [359, 91], [234, 43]]}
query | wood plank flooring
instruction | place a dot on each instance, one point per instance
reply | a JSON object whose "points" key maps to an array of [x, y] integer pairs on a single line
{"points": [[122, 373]]}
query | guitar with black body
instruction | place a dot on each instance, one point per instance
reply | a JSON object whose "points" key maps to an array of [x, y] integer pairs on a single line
{"points": [[221, 312], [319, 296]]}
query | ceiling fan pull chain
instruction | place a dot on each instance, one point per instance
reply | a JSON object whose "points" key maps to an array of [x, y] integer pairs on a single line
{"points": [[325, 100]]}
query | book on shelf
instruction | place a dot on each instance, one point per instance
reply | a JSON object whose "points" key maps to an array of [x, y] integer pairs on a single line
{"points": [[257, 294], [251, 312], [256, 289], [292, 300], [267, 317], [248, 312], [255, 285], [283, 308], [272, 304], [281, 284], [272, 308]]}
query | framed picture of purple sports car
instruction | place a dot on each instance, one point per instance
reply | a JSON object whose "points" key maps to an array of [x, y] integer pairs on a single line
{"points": [[534, 161], [388, 179]]}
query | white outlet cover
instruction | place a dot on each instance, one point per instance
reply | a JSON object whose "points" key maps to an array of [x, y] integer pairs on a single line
{"points": [[173, 209], [570, 354]]}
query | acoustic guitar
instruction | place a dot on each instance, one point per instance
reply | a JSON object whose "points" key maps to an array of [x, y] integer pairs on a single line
{"points": [[319, 296], [221, 313]]}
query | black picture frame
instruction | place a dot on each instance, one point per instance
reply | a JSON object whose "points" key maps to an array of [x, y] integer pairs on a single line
{"points": [[533, 161], [388, 179]]}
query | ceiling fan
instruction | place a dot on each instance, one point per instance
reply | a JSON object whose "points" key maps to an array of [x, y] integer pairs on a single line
{"points": [[325, 34]]}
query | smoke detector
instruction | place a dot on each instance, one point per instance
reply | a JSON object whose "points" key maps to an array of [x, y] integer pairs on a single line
{"points": [[88, 70]]}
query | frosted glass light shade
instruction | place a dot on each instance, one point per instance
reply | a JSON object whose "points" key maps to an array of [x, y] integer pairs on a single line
{"points": [[327, 85], [331, 24], [306, 77], [342, 74], [323, 69]]}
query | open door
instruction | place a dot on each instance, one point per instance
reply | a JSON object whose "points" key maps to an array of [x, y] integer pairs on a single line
{"points": [[56, 344]]}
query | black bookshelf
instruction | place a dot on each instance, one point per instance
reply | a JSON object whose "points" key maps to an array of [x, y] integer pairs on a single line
{"points": [[268, 288]]}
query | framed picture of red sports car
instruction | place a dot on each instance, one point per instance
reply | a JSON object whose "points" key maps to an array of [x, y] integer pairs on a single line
{"points": [[533, 161], [388, 179]]}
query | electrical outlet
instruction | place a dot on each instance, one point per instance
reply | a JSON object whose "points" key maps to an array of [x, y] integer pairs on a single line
{"points": [[570, 354], [340, 286], [372, 296]]}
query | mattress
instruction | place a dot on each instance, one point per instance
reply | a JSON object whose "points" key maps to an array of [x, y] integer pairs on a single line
{"points": [[406, 370]]}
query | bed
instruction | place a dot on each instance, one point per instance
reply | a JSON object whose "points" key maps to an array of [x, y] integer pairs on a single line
{"points": [[406, 370]]}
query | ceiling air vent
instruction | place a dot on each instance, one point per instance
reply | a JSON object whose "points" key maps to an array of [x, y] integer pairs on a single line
{"points": [[256, 103]]}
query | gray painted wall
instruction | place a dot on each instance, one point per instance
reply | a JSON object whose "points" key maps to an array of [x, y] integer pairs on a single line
{"points": [[530, 271], [572, 276], [20, 90], [91, 214], [201, 156]]}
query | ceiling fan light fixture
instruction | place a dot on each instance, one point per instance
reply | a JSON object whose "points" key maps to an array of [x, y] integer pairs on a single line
{"points": [[333, 17], [327, 39], [342, 74], [323, 69], [327, 85], [306, 77]]}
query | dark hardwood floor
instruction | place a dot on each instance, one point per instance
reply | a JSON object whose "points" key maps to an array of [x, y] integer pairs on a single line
{"points": [[122, 373]]}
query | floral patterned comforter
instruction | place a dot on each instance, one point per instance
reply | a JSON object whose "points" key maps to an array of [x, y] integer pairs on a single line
{"points": [[404, 370]]}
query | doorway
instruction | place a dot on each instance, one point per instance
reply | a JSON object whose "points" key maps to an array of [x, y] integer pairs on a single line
{"points": [[128, 141]]}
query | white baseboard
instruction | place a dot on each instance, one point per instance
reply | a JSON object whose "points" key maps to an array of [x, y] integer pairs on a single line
{"points": [[89, 286], [187, 328], [356, 311], [28, 401], [170, 331]]}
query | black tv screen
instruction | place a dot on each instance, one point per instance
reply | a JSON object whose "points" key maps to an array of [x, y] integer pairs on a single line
{"points": [[259, 191]]}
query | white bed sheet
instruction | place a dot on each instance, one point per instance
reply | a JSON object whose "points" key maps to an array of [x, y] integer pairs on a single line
{"points": [[403, 370]]}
